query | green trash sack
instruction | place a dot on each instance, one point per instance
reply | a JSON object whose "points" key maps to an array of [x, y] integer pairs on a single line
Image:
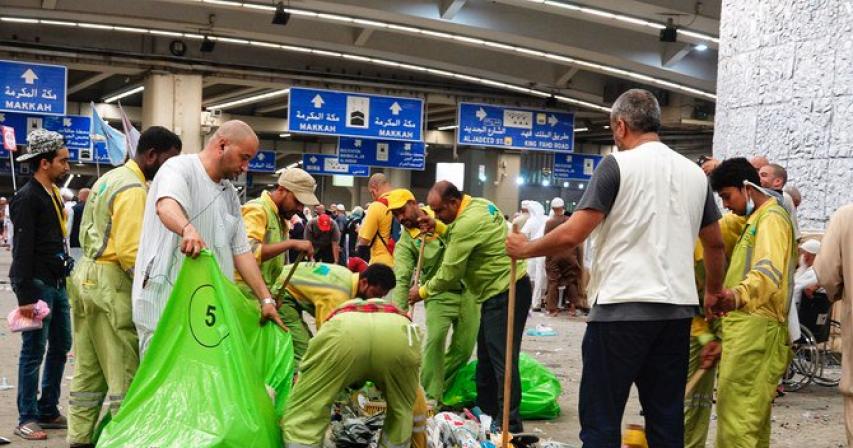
{"points": [[540, 389], [204, 380]]}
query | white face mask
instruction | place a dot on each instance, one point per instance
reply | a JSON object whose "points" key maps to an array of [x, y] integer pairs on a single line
{"points": [[750, 204]]}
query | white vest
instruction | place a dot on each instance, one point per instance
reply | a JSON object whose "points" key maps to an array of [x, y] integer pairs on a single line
{"points": [[644, 246]]}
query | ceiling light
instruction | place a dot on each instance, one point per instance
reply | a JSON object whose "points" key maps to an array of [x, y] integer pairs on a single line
{"points": [[581, 129], [546, 183], [701, 47], [124, 94], [207, 45], [286, 135], [249, 99], [280, 17], [447, 128], [519, 180], [565, 185]]}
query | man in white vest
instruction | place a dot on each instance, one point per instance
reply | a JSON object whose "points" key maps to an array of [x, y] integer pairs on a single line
{"points": [[646, 205]]}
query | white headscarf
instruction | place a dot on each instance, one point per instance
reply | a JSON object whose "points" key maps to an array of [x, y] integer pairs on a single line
{"points": [[535, 225]]}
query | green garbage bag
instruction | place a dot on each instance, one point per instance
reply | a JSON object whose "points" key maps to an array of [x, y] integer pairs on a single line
{"points": [[203, 381], [540, 389]]}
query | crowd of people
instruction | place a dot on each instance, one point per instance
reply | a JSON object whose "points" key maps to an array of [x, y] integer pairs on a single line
{"points": [[675, 289]]}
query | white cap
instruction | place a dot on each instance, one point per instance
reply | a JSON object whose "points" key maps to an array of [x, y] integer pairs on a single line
{"points": [[811, 246], [557, 203], [341, 208]]}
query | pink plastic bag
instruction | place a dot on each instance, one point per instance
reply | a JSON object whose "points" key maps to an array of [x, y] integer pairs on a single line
{"points": [[18, 323]]}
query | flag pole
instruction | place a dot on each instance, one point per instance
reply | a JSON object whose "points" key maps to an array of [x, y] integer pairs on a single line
{"points": [[14, 182]]}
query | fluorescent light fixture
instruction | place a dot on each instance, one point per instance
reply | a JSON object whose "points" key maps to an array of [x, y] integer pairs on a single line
{"points": [[285, 135], [124, 94], [18, 20], [249, 99], [607, 127], [701, 47], [581, 185], [519, 180], [68, 181], [581, 129], [447, 128], [482, 177], [565, 185], [546, 183]]}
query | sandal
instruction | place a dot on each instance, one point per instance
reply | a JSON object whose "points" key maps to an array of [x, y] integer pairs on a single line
{"points": [[58, 422], [30, 431]]}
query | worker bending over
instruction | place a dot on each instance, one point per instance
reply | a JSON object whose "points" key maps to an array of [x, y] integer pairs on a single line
{"points": [[318, 288], [445, 310], [757, 293], [361, 341], [105, 341], [266, 219]]}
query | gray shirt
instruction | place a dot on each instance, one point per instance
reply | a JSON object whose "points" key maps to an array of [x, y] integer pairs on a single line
{"points": [[600, 195]]}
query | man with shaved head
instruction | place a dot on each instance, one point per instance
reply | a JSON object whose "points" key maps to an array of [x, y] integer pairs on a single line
{"points": [[193, 205], [775, 177], [476, 257], [374, 237]]}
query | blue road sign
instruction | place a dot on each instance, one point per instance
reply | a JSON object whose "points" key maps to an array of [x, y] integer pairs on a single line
{"points": [[328, 165], [575, 166], [263, 162], [515, 128], [349, 114], [385, 153], [33, 88], [76, 129]]}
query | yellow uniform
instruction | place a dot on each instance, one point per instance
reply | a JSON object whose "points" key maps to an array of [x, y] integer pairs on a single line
{"points": [[376, 228]]}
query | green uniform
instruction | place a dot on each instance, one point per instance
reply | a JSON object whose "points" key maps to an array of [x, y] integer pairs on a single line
{"points": [[755, 337], [315, 288], [484, 271], [443, 311], [263, 226], [354, 347], [105, 340]]}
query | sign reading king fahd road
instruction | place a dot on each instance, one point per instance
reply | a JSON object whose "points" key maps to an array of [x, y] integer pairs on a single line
{"points": [[33, 88], [348, 114], [515, 128]]}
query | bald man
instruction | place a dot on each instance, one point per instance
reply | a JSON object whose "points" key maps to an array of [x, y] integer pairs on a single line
{"points": [[193, 205], [374, 236]]}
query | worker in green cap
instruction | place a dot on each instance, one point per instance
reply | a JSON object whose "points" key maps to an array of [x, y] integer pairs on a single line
{"points": [[445, 310], [105, 340], [318, 288], [362, 340]]}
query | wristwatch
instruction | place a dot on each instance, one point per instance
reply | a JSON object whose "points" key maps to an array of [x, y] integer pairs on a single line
{"points": [[268, 301]]}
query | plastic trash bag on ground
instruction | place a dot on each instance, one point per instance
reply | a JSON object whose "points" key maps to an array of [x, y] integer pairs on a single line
{"points": [[540, 389], [203, 381]]}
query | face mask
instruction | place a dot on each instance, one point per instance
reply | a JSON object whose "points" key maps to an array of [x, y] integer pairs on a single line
{"points": [[750, 204]]}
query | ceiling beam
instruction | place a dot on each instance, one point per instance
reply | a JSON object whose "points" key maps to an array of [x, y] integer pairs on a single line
{"points": [[449, 8], [273, 108], [234, 94], [564, 79], [94, 79], [363, 35], [673, 53]]}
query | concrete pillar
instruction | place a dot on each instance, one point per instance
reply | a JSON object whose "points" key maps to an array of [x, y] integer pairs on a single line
{"points": [[502, 189], [785, 90], [174, 101], [399, 178]]}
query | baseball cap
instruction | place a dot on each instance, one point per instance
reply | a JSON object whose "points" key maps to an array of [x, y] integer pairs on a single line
{"points": [[301, 184], [557, 203], [324, 222], [811, 246], [341, 208], [398, 198]]}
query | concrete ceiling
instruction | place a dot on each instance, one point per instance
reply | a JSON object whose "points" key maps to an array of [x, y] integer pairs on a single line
{"points": [[518, 46]]}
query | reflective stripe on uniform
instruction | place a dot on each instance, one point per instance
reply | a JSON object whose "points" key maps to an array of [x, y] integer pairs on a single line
{"points": [[89, 395], [85, 403], [384, 442]]}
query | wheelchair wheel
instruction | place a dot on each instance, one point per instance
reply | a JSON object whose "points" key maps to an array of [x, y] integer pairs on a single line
{"points": [[829, 371], [805, 363]]}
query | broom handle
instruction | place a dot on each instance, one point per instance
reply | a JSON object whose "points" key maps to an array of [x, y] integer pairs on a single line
{"points": [[694, 380], [510, 330], [417, 276], [292, 270]]}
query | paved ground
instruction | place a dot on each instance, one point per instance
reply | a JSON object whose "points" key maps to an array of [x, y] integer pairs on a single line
{"points": [[811, 418]]}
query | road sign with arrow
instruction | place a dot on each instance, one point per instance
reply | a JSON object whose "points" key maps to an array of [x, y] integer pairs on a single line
{"points": [[33, 88], [515, 128]]}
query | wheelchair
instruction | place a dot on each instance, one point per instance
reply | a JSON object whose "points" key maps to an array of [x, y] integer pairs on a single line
{"points": [[817, 354]]}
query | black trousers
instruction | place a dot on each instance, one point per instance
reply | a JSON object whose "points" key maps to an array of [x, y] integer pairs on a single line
{"points": [[491, 353], [654, 356]]}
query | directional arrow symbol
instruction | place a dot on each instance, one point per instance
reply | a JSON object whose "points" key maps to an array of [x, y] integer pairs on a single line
{"points": [[66, 122], [481, 114], [29, 76], [318, 101], [395, 108], [357, 144], [313, 159], [552, 120]]}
